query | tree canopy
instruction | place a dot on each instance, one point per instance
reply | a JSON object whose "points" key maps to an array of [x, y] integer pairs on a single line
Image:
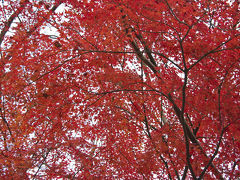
{"points": [[120, 89]]}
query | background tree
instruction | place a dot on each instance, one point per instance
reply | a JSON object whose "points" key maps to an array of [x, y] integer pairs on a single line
{"points": [[120, 89]]}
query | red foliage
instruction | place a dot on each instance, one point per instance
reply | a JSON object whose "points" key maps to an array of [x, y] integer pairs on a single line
{"points": [[119, 89]]}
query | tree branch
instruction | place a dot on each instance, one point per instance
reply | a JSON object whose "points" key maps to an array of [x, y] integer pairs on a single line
{"points": [[7, 24]]}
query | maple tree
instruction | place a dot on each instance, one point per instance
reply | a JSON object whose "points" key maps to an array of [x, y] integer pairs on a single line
{"points": [[121, 89]]}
